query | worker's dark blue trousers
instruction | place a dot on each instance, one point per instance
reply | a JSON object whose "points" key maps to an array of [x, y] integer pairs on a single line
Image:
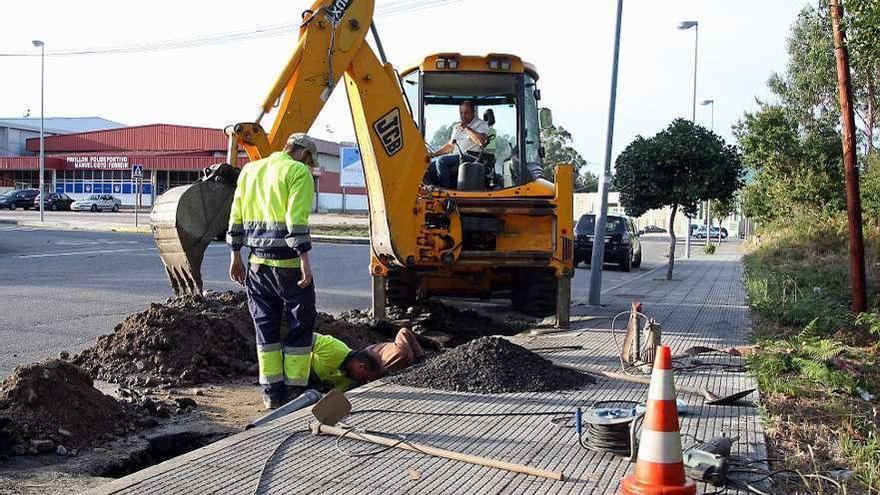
{"points": [[271, 292]]}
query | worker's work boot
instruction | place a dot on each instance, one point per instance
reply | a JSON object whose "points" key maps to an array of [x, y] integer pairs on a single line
{"points": [[274, 395]]}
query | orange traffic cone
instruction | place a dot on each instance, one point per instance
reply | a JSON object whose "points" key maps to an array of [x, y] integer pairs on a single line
{"points": [[659, 469]]}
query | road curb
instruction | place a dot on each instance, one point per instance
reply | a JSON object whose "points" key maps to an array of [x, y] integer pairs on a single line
{"points": [[4, 221], [338, 239]]}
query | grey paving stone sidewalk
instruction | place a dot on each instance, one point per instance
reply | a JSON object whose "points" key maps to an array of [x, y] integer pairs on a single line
{"points": [[704, 306]]}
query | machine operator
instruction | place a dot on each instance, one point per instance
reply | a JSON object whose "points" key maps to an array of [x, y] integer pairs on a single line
{"points": [[469, 135]]}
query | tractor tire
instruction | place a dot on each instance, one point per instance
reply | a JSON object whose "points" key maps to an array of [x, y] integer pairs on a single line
{"points": [[401, 289], [534, 292]]}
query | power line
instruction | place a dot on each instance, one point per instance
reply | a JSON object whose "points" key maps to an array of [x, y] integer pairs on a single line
{"points": [[386, 10]]}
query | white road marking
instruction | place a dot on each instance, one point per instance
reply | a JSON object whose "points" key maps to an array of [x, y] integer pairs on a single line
{"points": [[79, 253]]}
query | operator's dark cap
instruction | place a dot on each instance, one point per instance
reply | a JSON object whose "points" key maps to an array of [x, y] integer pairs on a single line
{"points": [[303, 140]]}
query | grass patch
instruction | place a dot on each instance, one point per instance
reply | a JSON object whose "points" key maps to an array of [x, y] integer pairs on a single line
{"points": [[343, 230], [815, 358]]}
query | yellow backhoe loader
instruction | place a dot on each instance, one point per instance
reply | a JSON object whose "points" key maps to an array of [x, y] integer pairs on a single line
{"points": [[501, 231]]}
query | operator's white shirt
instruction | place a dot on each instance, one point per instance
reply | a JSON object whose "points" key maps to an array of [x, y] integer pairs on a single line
{"points": [[464, 140]]}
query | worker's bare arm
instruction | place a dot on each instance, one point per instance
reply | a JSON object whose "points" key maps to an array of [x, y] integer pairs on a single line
{"points": [[445, 149], [236, 268], [306, 268]]}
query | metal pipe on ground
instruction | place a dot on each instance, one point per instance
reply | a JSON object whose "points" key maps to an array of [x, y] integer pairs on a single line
{"points": [[309, 397], [322, 429]]}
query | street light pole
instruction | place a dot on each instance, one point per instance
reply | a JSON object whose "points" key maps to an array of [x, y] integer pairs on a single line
{"points": [[684, 26], [711, 104], [597, 257], [42, 46]]}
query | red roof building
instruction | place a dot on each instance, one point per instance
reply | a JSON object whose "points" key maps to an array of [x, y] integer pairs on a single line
{"points": [[103, 162]]}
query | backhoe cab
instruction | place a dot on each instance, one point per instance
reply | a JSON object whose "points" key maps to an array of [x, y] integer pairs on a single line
{"points": [[502, 229], [515, 237]]}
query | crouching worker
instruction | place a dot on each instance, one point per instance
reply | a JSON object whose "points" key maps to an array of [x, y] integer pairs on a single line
{"points": [[336, 365]]}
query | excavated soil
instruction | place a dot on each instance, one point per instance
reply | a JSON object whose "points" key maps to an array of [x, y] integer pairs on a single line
{"points": [[186, 340], [491, 365], [54, 403], [198, 339], [446, 326]]}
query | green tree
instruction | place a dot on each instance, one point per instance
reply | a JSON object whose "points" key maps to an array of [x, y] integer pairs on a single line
{"points": [[679, 167], [791, 168], [870, 188], [441, 136], [808, 89], [557, 149]]}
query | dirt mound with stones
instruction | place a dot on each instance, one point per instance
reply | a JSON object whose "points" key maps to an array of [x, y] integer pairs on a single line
{"points": [[52, 406], [491, 365], [196, 339], [188, 339]]}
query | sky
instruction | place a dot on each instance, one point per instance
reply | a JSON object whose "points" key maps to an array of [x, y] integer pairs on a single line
{"points": [[570, 42]]}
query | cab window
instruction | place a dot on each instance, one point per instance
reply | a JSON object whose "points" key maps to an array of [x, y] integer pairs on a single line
{"points": [[411, 91], [532, 126]]}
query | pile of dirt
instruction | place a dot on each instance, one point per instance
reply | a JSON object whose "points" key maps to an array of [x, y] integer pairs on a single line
{"points": [[356, 328], [447, 326], [492, 365], [51, 406], [186, 340], [195, 339]]}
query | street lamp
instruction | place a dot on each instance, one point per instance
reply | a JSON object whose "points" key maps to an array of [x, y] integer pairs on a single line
{"points": [[42, 46], [597, 257], [684, 26], [711, 104]]}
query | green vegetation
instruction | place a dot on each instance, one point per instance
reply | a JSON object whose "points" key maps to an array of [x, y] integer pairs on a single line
{"points": [[342, 230], [557, 149], [817, 365], [815, 358], [678, 167]]}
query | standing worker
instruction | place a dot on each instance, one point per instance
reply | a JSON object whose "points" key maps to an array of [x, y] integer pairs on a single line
{"points": [[270, 215]]}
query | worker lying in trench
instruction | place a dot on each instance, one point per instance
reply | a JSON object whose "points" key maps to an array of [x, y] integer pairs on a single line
{"points": [[335, 365]]}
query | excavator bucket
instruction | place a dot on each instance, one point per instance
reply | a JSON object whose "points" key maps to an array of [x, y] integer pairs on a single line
{"points": [[186, 219]]}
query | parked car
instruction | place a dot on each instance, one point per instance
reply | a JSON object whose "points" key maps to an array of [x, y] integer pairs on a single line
{"points": [[714, 232], [19, 198], [54, 201], [97, 202], [653, 229], [622, 244]]}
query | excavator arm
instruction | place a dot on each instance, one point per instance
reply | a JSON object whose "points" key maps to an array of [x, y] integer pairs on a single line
{"points": [[332, 46]]}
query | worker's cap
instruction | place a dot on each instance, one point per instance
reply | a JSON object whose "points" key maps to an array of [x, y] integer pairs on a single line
{"points": [[304, 141]]}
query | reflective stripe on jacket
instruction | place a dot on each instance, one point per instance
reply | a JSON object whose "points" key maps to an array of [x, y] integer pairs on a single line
{"points": [[270, 208]]}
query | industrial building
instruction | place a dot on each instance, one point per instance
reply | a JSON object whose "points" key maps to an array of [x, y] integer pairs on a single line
{"points": [[101, 160]]}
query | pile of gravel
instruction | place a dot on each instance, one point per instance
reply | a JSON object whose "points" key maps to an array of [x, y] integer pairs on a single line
{"points": [[491, 365], [52, 406]]}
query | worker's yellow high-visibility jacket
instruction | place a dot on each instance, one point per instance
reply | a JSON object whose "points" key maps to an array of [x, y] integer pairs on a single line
{"points": [[270, 210], [328, 354]]}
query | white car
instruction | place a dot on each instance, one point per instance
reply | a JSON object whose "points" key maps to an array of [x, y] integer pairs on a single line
{"points": [[714, 232], [97, 202]]}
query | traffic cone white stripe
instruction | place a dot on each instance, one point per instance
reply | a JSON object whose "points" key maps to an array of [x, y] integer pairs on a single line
{"points": [[662, 386], [660, 447]]}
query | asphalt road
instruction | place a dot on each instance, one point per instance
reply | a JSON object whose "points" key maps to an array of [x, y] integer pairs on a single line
{"points": [[62, 289]]}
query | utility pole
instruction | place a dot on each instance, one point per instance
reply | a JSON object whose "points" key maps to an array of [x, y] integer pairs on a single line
{"points": [[42, 46], [684, 26], [851, 171], [597, 257], [711, 104]]}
